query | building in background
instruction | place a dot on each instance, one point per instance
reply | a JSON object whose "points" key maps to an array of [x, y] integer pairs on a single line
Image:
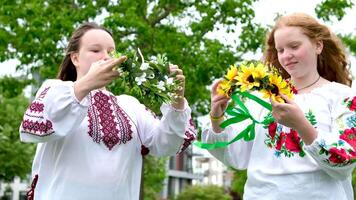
{"points": [[180, 174], [212, 170], [15, 190]]}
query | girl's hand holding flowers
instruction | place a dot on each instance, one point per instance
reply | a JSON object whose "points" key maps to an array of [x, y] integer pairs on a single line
{"points": [[153, 81], [289, 114], [180, 78], [99, 75]]}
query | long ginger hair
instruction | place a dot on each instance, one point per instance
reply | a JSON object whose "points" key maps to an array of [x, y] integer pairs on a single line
{"points": [[332, 62]]}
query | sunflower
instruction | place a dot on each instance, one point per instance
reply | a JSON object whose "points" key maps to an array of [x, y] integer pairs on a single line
{"points": [[231, 73], [250, 76], [225, 87], [277, 86]]}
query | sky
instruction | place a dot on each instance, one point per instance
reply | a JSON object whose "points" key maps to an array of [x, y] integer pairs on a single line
{"points": [[265, 11]]}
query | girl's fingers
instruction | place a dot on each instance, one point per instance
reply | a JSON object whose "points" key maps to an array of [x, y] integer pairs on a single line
{"points": [[180, 77], [116, 61], [215, 86], [174, 69], [286, 99], [220, 97]]}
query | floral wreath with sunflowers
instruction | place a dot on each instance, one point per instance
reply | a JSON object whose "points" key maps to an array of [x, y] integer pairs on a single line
{"points": [[238, 83], [148, 80]]}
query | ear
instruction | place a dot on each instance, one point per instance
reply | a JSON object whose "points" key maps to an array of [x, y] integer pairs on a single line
{"points": [[319, 46], [74, 58]]}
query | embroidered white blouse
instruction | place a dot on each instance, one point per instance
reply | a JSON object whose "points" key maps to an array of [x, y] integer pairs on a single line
{"points": [[91, 149], [280, 166]]}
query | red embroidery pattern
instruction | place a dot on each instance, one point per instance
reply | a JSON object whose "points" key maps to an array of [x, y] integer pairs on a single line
{"points": [[123, 122], [94, 130], [43, 93], [284, 142], [31, 193], [190, 136], [349, 136], [338, 154], [351, 103], [36, 107], [107, 121], [34, 123], [37, 128]]}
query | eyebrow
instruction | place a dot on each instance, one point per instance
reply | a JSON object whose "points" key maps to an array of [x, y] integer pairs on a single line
{"points": [[98, 45]]}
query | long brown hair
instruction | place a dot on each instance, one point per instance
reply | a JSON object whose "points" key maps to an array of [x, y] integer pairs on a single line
{"points": [[332, 62], [67, 70]]}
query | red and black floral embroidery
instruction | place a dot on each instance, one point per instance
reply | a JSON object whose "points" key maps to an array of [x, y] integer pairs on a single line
{"points": [[349, 136], [34, 122], [190, 136], [39, 127], [31, 193], [36, 107], [343, 151], [286, 143], [351, 103], [337, 153], [107, 121]]}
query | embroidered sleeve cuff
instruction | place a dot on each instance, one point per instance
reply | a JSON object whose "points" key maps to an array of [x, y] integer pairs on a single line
{"points": [[209, 135], [315, 145], [180, 110]]}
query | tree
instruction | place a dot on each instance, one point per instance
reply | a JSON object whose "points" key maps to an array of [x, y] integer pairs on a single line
{"points": [[178, 28], [148, 24], [203, 192], [15, 157], [154, 173], [238, 181], [329, 9]]}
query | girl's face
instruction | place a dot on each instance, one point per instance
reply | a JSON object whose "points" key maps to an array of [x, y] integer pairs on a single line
{"points": [[296, 52], [95, 45]]}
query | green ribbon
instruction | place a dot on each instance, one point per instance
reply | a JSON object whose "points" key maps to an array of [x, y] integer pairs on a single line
{"points": [[239, 113]]}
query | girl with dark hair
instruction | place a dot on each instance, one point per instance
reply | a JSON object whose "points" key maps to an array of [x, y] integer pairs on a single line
{"points": [[91, 142], [308, 151]]}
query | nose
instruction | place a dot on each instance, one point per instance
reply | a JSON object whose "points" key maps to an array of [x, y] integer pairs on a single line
{"points": [[287, 55], [106, 55]]}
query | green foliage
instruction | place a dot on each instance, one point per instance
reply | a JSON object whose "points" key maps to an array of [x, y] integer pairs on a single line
{"points": [[15, 156], [329, 8], [311, 117], [11, 87], [238, 182], [203, 192], [354, 181], [150, 25], [36, 32], [350, 41], [154, 175]]}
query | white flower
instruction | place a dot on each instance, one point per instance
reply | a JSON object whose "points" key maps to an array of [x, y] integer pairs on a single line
{"points": [[141, 79], [169, 81], [161, 86], [144, 66]]}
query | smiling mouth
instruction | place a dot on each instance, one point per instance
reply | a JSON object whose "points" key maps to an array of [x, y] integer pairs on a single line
{"points": [[291, 65]]}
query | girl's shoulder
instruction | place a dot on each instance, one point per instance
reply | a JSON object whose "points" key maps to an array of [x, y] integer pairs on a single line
{"points": [[333, 90], [127, 99]]}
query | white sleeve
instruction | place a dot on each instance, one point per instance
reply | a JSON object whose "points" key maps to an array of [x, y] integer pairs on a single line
{"points": [[236, 154], [54, 113], [168, 135], [335, 150]]}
